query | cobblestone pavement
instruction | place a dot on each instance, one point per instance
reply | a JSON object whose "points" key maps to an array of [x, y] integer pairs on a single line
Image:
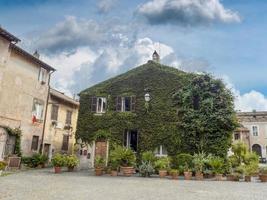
{"points": [[44, 184]]}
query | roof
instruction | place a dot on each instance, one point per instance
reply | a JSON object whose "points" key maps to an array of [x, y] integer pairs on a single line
{"points": [[8, 35], [249, 114], [150, 65], [31, 57], [63, 97]]}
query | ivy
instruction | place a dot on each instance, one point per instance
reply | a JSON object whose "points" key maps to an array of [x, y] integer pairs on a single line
{"points": [[157, 122], [17, 133]]}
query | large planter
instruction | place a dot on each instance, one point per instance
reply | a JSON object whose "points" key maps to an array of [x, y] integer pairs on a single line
{"points": [[187, 175], [218, 177], [127, 171], [199, 176], [247, 178], [98, 171], [57, 170], [70, 168], [230, 177], [114, 173], [263, 177], [162, 173]]}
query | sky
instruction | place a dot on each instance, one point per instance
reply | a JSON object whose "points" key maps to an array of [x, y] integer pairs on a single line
{"points": [[89, 41]]}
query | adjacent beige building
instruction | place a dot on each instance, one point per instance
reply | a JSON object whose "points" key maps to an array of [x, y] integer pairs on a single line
{"points": [[60, 127], [253, 131], [24, 86]]}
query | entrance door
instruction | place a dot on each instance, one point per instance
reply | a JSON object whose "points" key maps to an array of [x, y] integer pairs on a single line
{"points": [[3, 138], [47, 150], [257, 149], [101, 149], [131, 139]]}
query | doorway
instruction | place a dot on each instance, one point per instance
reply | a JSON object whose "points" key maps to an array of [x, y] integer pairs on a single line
{"points": [[131, 139], [257, 149]]}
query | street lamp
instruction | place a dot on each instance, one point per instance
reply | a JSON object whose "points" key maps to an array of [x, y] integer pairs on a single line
{"points": [[147, 97]]}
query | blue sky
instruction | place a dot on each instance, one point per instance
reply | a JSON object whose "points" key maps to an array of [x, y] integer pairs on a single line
{"points": [[121, 35]]}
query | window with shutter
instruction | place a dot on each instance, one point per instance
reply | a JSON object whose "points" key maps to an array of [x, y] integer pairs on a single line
{"points": [[133, 100], [35, 140], [93, 104], [54, 112], [65, 143], [118, 104]]}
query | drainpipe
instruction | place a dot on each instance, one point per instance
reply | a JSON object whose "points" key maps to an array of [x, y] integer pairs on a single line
{"points": [[47, 100]]}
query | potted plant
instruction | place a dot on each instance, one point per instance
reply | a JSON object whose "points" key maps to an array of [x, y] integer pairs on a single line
{"points": [[114, 165], [2, 167], [174, 173], [217, 165], [250, 170], [146, 169], [58, 161], [187, 172], [263, 174], [199, 161], [126, 159], [99, 165], [71, 162], [162, 164]]}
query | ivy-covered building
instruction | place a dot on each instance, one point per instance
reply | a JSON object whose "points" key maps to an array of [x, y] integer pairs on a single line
{"points": [[139, 110]]}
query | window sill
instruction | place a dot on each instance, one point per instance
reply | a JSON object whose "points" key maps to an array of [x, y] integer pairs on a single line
{"points": [[161, 155], [99, 114]]}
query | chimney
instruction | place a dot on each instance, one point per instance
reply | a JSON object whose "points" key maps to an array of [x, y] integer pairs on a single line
{"points": [[36, 54]]}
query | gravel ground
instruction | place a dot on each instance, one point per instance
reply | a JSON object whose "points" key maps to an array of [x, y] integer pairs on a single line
{"points": [[44, 184]]}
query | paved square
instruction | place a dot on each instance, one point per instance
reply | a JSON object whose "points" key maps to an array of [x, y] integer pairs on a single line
{"points": [[45, 185]]}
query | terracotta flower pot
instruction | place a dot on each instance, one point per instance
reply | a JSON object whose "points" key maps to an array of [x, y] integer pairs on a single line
{"points": [[218, 177], [127, 171], [175, 176], [162, 173], [248, 178], [57, 170], [70, 168], [230, 177], [98, 171], [263, 177], [114, 173], [187, 175], [199, 176]]}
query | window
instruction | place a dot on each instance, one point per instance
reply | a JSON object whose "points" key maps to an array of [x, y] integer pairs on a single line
{"points": [[35, 140], [98, 104], [237, 136], [38, 109], [130, 140], [125, 104], [65, 143], [161, 151], [255, 130], [42, 75], [68, 117], [54, 112]]}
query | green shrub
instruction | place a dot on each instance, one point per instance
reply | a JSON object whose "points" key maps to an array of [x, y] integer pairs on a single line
{"points": [[35, 160], [148, 156], [58, 160], [174, 172], [182, 160], [217, 165], [72, 161], [162, 163], [199, 161], [263, 170], [123, 156], [146, 169], [99, 162], [2, 165]]}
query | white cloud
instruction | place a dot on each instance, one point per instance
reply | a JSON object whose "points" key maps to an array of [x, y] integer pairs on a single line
{"points": [[105, 6], [187, 12], [249, 101]]}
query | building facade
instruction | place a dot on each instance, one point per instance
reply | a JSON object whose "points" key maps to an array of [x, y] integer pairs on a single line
{"points": [[253, 131], [24, 86], [60, 127]]}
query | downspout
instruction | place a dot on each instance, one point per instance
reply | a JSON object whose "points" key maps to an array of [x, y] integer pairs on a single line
{"points": [[47, 100]]}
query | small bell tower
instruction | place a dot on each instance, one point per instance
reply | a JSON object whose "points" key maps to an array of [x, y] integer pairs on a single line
{"points": [[155, 57]]}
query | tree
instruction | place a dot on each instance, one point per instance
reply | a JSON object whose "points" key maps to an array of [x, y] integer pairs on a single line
{"points": [[206, 116]]}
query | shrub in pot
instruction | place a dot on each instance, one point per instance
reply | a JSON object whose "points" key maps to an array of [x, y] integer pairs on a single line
{"points": [[162, 165], [187, 172], [146, 169], [199, 161], [114, 165], [217, 167], [148, 156], [126, 158], [99, 165], [250, 170], [2, 167], [263, 174], [71, 162], [174, 173], [58, 161]]}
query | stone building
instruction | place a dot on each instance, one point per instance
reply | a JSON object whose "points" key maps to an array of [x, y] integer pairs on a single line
{"points": [[60, 127], [24, 86], [253, 131]]}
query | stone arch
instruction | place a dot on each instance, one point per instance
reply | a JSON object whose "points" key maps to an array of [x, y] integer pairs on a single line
{"points": [[257, 149]]}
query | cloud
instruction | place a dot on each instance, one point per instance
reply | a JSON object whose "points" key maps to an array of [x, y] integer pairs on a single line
{"points": [[249, 101], [105, 6], [186, 12]]}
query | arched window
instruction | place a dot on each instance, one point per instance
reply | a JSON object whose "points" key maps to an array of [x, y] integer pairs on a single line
{"points": [[257, 149]]}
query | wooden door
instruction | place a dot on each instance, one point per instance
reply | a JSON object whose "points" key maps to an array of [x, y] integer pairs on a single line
{"points": [[101, 149]]}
